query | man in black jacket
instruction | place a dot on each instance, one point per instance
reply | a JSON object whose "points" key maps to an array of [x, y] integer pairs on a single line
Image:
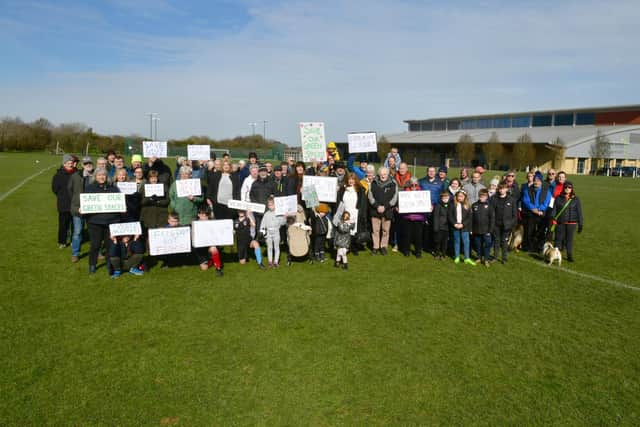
{"points": [[156, 164], [60, 187], [383, 197], [261, 189]]}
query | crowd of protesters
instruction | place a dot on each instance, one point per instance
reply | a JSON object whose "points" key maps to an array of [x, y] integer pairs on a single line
{"points": [[470, 213]]}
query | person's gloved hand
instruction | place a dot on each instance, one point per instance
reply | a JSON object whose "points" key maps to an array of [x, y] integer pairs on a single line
{"points": [[580, 229]]}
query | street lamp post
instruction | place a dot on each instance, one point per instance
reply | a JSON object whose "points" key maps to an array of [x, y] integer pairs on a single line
{"points": [[151, 118], [264, 130]]}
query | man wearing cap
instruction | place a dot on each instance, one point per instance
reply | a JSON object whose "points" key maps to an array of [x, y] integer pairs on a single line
{"points": [[535, 202], [442, 177], [60, 187], [261, 189], [77, 184], [512, 185]]}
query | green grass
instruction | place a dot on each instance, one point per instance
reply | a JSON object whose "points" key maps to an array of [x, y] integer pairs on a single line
{"points": [[392, 341]]}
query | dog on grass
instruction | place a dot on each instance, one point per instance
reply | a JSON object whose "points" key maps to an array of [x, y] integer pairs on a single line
{"points": [[551, 254], [515, 240]]}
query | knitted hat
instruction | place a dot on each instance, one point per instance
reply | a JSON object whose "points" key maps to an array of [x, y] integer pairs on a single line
{"points": [[136, 158], [538, 175], [323, 208], [67, 158], [443, 169]]}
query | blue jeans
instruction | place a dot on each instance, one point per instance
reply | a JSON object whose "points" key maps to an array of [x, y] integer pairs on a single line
{"points": [[76, 237], [479, 240], [457, 234]]}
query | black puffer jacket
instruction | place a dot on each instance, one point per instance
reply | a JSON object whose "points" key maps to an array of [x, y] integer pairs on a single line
{"points": [[164, 173], [441, 216], [572, 214], [482, 218], [383, 193], [261, 189], [505, 212], [213, 182], [60, 187]]}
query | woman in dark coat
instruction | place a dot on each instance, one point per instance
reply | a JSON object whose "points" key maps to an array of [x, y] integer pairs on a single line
{"points": [[567, 218]]}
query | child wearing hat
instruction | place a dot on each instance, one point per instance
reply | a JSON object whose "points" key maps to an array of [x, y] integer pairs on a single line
{"points": [[320, 227]]}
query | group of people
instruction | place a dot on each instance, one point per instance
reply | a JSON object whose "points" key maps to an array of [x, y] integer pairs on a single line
{"points": [[465, 210]]}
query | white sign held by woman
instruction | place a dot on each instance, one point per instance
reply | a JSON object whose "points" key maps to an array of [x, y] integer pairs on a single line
{"points": [[91, 203], [188, 187], [154, 149], [414, 201], [365, 142], [170, 240], [127, 187], [154, 190], [198, 152]]}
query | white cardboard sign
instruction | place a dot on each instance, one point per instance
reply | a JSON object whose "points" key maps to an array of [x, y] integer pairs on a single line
{"points": [[414, 201], [326, 187], [188, 187], [314, 146], [198, 152], [91, 203], [127, 188], [365, 142], [154, 190], [212, 233], [286, 205], [245, 206], [154, 149], [125, 229], [170, 240]]}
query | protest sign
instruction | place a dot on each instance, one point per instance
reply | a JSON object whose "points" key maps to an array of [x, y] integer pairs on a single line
{"points": [[91, 203], [153, 190], [198, 152], [154, 149], [314, 146], [127, 187], [366, 142], [310, 196], [188, 187], [245, 206], [125, 229], [170, 240], [414, 201], [286, 205], [326, 187], [212, 233]]}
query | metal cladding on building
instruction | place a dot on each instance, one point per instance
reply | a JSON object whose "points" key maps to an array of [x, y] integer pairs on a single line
{"points": [[433, 140]]}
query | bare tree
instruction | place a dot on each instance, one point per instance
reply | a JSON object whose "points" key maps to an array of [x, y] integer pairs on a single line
{"points": [[465, 149], [383, 148], [524, 152], [493, 150], [600, 149]]}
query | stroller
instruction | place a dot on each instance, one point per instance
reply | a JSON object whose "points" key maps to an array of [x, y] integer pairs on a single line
{"points": [[298, 236]]}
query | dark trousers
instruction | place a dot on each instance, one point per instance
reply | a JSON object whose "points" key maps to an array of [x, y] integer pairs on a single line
{"points": [[64, 224], [221, 211], [482, 244], [319, 244], [123, 259], [441, 238], [428, 235], [501, 241], [533, 232], [411, 233], [564, 237], [98, 233]]}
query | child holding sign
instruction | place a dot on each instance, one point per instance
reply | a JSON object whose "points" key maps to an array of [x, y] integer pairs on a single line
{"points": [[126, 254], [207, 257], [245, 228], [270, 228]]}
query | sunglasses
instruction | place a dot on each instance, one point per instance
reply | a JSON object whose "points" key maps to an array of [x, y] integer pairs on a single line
{"points": [[551, 173], [510, 176]]}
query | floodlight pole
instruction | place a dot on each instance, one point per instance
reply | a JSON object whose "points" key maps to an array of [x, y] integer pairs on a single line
{"points": [[264, 130], [151, 117]]}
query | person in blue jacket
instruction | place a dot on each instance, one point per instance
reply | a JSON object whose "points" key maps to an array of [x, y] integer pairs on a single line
{"points": [[432, 184], [535, 202], [360, 171]]}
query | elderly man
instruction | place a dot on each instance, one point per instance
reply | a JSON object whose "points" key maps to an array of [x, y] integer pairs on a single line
{"points": [[248, 182], [473, 188], [60, 187], [383, 197], [77, 184]]}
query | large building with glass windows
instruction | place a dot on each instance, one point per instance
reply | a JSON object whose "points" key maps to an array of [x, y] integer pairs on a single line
{"points": [[562, 138]]}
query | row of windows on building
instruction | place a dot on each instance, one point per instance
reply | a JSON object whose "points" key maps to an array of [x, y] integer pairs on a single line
{"points": [[525, 121]]}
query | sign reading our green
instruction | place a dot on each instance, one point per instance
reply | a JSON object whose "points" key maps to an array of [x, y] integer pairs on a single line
{"points": [[314, 146]]}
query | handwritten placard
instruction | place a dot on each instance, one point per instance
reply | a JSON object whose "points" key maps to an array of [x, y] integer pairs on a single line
{"points": [[365, 142], [212, 233], [188, 187], [91, 203], [414, 201], [246, 206], [125, 229], [198, 152], [310, 196], [165, 241], [286, 205], [127, 187], [326, 187], [154, 149], [314, 146], [154, 190]]}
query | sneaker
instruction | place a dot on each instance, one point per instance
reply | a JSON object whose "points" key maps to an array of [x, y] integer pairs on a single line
{"points": [[469, 261], [276, 265], [456, 260], [136, 271], [62, 245], [406, 253], [394, 248], [116, 274], [336, 264], [75, 259], [219, 272], [261, 266], [92, 269], [344, 266], [270, 266], [383, 251], [570, 259], [101, 257], [374, 252], [419, 255]]}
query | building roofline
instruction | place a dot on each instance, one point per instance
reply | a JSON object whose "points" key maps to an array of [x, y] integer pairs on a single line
{"points": [[519, 113]]}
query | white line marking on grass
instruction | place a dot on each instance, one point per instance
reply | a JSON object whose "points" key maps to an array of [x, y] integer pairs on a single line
{"points": [[24, 181], [579, 274]]}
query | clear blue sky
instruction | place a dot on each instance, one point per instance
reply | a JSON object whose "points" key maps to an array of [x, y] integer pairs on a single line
{"points": [[211, 67]]}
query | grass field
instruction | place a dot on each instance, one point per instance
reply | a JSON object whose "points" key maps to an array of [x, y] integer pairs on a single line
{"points": [[393, 341]]}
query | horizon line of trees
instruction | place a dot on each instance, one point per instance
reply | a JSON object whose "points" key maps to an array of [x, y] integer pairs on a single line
{"points": [[42, 135]]}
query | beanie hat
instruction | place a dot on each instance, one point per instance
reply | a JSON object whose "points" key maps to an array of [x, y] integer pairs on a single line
{"points": [[538, 175], [136, 158], [495, 181], [67, 158], [323, 208]]}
